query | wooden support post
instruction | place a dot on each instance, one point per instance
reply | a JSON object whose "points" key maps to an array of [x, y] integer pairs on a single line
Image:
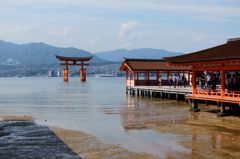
{"points": [[194, 107], [222, 110]]}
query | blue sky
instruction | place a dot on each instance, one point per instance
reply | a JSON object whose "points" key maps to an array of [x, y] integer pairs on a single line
{"points": [[99, 25]]}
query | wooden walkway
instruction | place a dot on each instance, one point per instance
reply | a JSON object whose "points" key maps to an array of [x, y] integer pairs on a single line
{"points": [[162, 92]]}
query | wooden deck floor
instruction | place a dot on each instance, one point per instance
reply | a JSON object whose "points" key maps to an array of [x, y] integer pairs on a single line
{"points": [[162, 92], [180, 90], [215, 99]]}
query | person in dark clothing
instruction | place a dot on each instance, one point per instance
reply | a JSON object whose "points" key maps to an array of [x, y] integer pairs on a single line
{"points": [[203, 80]]}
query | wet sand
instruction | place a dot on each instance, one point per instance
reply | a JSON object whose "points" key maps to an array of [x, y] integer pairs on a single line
{"points": [[20, 137], [203, 134], [90, 147]]}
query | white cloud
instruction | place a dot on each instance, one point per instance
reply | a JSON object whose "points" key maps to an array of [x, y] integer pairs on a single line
{"points": [[127, 30], [60, 32]]}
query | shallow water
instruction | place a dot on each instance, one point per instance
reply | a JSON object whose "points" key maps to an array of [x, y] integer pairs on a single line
{"points": [[101, 108]]}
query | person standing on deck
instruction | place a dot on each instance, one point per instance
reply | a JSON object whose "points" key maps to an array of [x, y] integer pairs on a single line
{"points": [[160, 81], [227, 82], [208, 81], [175, 80], [214, 83], [203, 81], [170, 80], [184, 80]]}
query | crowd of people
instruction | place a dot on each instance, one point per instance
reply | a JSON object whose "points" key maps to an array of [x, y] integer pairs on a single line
{"points": [[210, 81], [206, 80], [177, 81]]}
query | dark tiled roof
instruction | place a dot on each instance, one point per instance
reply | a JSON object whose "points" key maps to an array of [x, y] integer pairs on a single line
{"points": [[228, 51], [150, 64]]}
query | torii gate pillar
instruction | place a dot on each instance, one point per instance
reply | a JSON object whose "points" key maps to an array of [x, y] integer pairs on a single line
{"points": [[83, 74], [65, 74]]}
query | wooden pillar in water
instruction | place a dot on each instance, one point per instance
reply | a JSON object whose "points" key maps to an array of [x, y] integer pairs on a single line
{"points": [[83, 75], [65, 74], [82, 72]]}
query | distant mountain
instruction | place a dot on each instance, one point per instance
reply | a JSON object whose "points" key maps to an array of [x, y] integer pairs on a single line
{"points": [[38, 54], [147, 53]]}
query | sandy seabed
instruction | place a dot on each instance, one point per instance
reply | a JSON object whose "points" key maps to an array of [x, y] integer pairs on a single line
{"points": [[204, 134], [44, 142]]}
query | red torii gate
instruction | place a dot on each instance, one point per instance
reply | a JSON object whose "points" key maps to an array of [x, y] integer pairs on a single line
{"points": [[74, 61]]}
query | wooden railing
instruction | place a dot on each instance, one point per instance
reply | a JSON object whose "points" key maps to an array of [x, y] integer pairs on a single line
{"points": [[232, 94], [217, 93]]}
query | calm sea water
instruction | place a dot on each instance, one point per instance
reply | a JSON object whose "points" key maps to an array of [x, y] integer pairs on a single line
{"points": [[99, 107]]}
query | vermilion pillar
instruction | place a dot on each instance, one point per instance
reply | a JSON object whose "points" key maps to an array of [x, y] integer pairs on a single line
{"points": [[131, 78], [157, 75], [222, 83], [135, 75], [194, 82], [83, 74], [65, 74]]}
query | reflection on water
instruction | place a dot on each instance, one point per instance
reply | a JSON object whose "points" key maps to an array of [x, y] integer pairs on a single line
{"points": [[140, 112], [101, 108]]}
